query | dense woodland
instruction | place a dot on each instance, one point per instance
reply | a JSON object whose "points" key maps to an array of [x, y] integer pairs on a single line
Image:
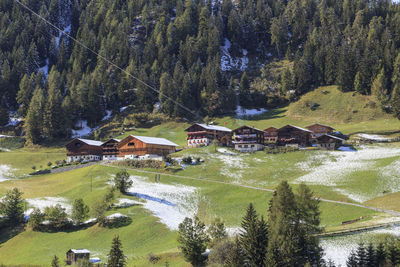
{"points": [[176, 45]]}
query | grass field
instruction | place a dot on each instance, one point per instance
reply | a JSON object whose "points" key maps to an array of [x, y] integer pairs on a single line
{"points": [[145, 234]]}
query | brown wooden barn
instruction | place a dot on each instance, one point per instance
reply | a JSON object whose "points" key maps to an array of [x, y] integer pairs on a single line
{"points": [[271, 135], [135, 146], [84, 150], [319, 129], [329, 142], [290, 135], [248, 139], [73, 255], [203, 134], [110, 149]]}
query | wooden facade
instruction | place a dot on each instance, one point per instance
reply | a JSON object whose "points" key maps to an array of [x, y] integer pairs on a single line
{"points": [[247, 139], [203, 134], [329, 142], [136, 146], [84, 150], [271, 135], [73, 255], [110, 149], [290, 135], [319, 129]]}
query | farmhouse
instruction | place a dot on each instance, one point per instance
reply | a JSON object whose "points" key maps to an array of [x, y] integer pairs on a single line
{"points": [[319, 129], [135, 146], [203, 134], [73, 255], [248, 139], [110, 149], [329, 142], [271, 135], [290, 135], [84, 150]]}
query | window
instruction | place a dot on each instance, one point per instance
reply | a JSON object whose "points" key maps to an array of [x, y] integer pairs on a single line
{"points": [[246, 146], [252, 145], [78, 145], [240, 146], [131, 144]]}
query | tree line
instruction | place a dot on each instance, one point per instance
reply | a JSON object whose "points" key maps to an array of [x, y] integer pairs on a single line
{"points": [[175, 46]]}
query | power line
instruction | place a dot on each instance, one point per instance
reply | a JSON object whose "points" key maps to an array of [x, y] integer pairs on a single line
{"points": [[105, 59]]}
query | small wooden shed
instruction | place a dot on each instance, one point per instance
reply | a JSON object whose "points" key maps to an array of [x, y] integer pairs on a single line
{"points": [[329, 142], [73, 255]]}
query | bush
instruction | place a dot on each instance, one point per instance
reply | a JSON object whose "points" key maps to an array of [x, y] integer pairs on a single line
{"points": [[219, 252], [35, 219], [122, 181], [80, 211], [187, 160], [153, 259], [56, 216], [140, 164], [49, 163]]}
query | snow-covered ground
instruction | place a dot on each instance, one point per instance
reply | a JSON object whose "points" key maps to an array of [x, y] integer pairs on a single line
{"points": [[230, 63], [42, 203], [170, 203], [374, 137], [233, 166], [241, 112], [339, 248], [84, 129], [108, 115], [5, 173], [333, 169], [14, 119]]}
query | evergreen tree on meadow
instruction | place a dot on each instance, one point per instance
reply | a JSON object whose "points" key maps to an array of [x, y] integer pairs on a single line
{"points": [[34, 119], [395, 99], [12, 207], [235, 257], [254, 238], [379, 87], [55, 262], [116, 257], [80, 211]]}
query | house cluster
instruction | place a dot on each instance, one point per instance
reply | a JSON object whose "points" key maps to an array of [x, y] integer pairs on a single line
{"points": [[248, 139], [131, 147]]}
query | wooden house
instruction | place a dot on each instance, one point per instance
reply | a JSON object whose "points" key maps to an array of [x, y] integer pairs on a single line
{"points": [[329, 142], [84, 150], [204, 134], [290, 135], [319, 129], [271, 135], [73, 255], [110, 149], [135, 146], [248, 139]]}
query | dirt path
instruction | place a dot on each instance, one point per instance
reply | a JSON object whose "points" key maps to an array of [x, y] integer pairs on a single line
{"points": [[394, 213]]}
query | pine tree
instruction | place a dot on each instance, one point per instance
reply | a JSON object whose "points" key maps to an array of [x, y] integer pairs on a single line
{"points": [[193, 240], [33, 121], [116, 257], [244, 91], [380, 254], [378, 88], [352, 260], [395, 100], [361, 255], [24, 95], [371, 257], [12, 207], [283, 223], [4, 114], [235, 257], [254, 238]]}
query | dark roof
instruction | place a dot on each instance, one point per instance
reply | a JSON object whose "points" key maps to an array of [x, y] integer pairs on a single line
{"points": [[245, 126], [296, 127], [331, 136], [317, 124], [211, 127], [270, 128], [87, 141]]}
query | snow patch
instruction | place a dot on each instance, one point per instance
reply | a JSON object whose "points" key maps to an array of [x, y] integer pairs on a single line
{"points": [[233, 166], [107, 116], [373, 137], [45, 69], [5, 173], [66, 30], [241, 112], [335, 166], [228, 62], [42, 203], [170, 203], [84, 129]]}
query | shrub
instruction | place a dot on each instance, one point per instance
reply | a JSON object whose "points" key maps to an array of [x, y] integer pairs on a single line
{"points": [[153, 259], [187, 160], [35, 219], [56, 216], [219, 252], [49, 163], [140, 164], [80, 211], [122, 181]]}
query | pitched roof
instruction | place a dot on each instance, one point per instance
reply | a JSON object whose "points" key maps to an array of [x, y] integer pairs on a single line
{"points": [[270, 128], [331, 136], [245, 126], [91, 142], [297, 127], [154, 140], [112, 139], [315, 124], [213, 127], [80, 251]]}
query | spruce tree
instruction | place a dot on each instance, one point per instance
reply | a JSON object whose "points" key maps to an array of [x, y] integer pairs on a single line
{"points": [[283, 239], [380, 254], [55, 262], [379, 88], [12, 207], [254, 238], [34, 118], [352, 260], [24, 95], [116, 257], [80, 211], [361, 255], [193, 240], [244, 91], [395, 100], [371, 256]]}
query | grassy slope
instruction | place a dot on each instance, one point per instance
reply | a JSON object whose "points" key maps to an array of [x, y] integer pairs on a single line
{"points": [[145, 234], [347, 112]]}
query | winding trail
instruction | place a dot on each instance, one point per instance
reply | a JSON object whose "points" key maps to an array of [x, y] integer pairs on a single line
{"points": [[391, 212]]}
